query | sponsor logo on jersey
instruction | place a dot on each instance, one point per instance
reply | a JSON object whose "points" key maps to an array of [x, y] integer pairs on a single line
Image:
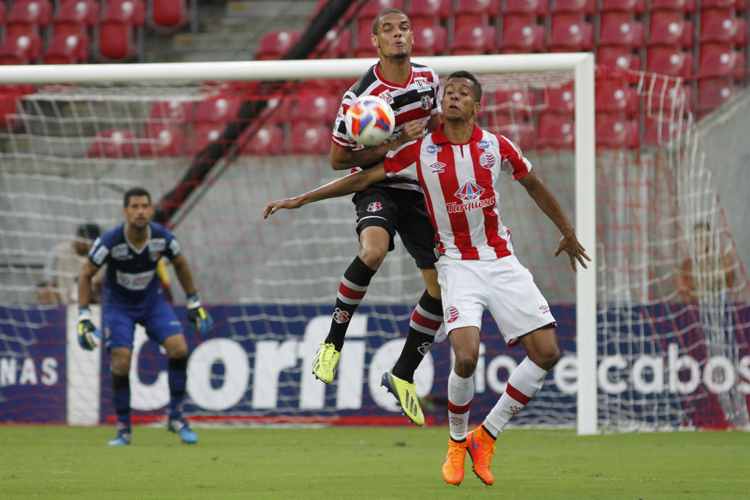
{"points": [[451, 314], [426, 102], [437, 168], [469, 192], [120, 252], [422, 83], [375, 206], [154, 256], [484, 144], [386, 96], [487, 160], [134, 281], [455, 208], [340, 316], [157, 245], [433, 150]]}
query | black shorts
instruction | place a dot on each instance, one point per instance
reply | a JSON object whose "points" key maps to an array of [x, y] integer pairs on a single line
{"points": [[399, 211]]}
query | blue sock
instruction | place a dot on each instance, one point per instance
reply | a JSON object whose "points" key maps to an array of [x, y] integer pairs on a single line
{"points": [[121, 401], [177, 382]]}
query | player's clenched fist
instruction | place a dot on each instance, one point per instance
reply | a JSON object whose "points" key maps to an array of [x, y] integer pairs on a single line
{"points": [[198, 319], [87, 332]]}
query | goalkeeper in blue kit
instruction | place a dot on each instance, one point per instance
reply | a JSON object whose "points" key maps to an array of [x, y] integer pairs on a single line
{"points": [[133, 295]]}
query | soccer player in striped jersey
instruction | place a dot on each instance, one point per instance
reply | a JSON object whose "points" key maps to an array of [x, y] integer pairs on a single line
{"points": [[133, 295], [389, 207], [458, 166]]}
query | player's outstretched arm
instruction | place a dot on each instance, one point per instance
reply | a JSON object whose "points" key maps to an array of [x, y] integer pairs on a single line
{"points": [[340, 187], [544, 198]]}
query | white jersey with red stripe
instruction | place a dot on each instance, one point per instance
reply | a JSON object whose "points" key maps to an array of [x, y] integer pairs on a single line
{"points": [[459, 189], [414, 100]]}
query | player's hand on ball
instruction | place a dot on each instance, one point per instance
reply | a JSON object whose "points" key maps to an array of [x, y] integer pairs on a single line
{"points": [[87, 332], [198, 319], [274, 206]]}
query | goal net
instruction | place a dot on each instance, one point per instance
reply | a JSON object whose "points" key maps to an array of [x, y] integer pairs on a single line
{"points": [[669, 313]]}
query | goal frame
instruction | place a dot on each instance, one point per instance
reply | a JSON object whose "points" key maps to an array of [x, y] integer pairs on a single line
{"points": [[580, 64]]}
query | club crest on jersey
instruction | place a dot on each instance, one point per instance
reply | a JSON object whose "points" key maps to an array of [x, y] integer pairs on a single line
{"points": [[451, 314], [487, 160], [421, 83], [437, 168], [484, 144], [375, 206], [386, 96], [426, 102], [469, 192], [154, 256], [433, 150]]}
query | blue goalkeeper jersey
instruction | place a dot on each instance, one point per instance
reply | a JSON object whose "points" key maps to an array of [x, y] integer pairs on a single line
{"points": [[131, 277]]}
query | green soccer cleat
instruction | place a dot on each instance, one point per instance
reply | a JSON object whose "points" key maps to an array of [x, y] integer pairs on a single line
{"points": [[406, 395], [324, 366]]}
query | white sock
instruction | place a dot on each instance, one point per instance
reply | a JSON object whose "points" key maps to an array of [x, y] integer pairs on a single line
{"points": [[524, 383], [460, 394]]}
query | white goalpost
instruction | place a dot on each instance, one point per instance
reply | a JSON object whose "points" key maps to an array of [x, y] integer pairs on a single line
{"points": [[626, 338]]}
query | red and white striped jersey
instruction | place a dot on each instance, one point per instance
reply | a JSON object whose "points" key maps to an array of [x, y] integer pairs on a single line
{"points": [[459, 189], [417, 99]]}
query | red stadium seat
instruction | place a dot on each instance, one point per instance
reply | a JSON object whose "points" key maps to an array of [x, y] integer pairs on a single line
{"points": [[364, 47], [217, 109], [3, 8], [517, 102], [21, 49], [668, 61], [28, 16], [555, 131], [722, 28], [316, 108], [75, 16], [559, 99], [335, 45], [429, 41], [636, 7], [519, 131], [616, 132], [113, 143], [167, 16], [276, 44], [372, 8], [718, 60], [678, 5], [429, 12], [570, 36], [619, 29], [714, 93], [264, 141], [737, 5], [471, 13], [670, 28], [277, 110], [616, 97], [584, 7], [537, 8], [173, 111], [116, 38], [202, 135], [67, 49], [9, 96], [309, 138], [620, 57], [662, 130], [162, 139], [473, 41], [667, 94], [521, 35]]}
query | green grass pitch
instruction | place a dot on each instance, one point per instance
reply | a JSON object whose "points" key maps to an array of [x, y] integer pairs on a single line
{"points": [[367, 462]]}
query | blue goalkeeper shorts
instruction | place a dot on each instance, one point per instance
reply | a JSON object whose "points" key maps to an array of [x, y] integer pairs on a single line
{"points": [[156, 316]]}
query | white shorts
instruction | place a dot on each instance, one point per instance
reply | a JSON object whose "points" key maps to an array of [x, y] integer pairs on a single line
{"points": [[503, 286]]}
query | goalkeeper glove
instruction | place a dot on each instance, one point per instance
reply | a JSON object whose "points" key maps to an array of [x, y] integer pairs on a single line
{"points": [[86, 330], [198, 319]]}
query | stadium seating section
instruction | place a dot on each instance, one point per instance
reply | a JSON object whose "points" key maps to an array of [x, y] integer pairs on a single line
{"points": [[705, 42]]}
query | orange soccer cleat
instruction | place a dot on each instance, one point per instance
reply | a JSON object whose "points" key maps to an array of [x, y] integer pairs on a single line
{"points": [[481, 447], [453, 468]]}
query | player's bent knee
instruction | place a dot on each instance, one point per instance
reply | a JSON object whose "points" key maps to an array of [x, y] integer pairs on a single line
{"points": [[465, 365]]}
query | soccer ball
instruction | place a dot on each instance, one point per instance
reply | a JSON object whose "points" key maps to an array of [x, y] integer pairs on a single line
{"points": [[370, 120]]}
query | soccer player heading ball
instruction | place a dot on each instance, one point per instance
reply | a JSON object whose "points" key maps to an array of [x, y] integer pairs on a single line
{"points": [[477, 268], [133, 294]]}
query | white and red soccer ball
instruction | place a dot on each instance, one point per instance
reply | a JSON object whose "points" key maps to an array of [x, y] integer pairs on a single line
{"points": [[370, 121]]}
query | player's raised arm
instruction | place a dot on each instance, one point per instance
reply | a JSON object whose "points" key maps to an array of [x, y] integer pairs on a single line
{"points": [[340, 187], [343, 159], [544, 198]]}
